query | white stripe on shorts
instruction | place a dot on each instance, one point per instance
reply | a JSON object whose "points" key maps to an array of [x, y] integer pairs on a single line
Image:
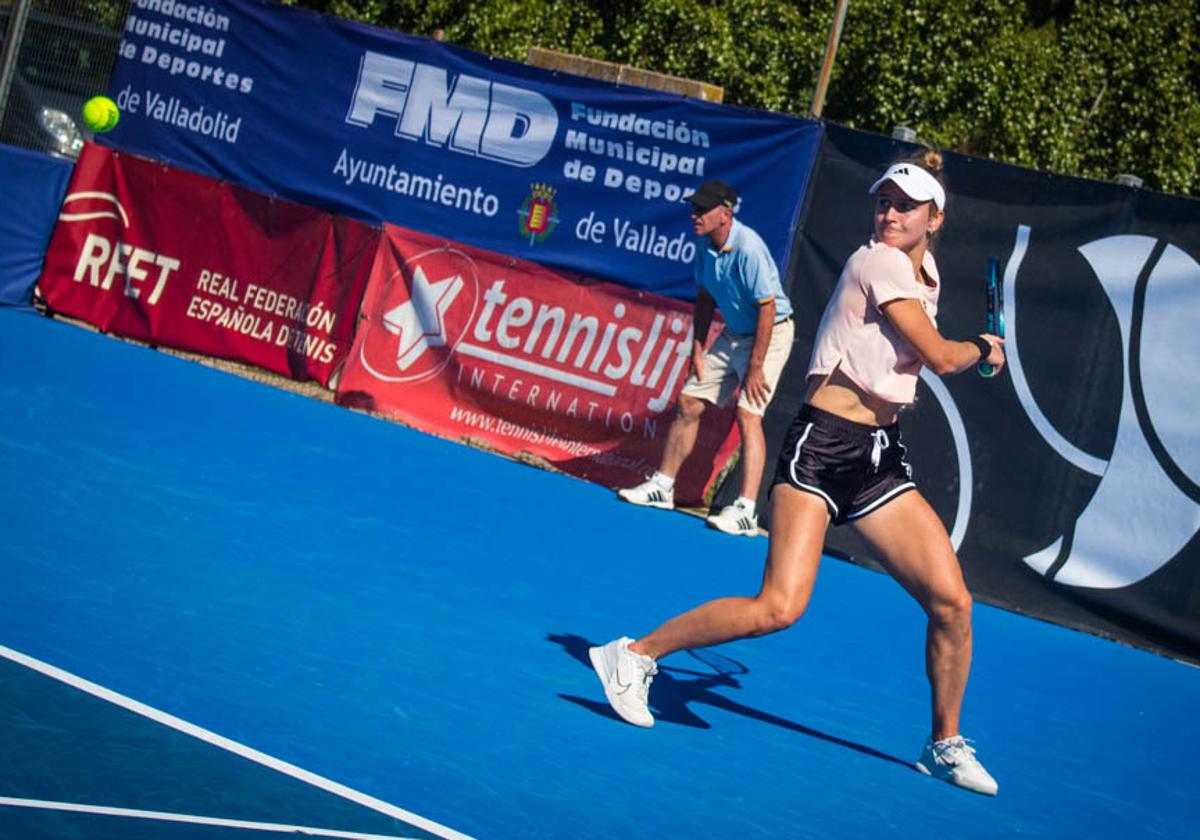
{"points": [[888, 496], [798, 482]]}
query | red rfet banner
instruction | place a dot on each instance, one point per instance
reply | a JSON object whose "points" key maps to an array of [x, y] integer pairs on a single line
{"points": [[467, 343], [151, 252]]}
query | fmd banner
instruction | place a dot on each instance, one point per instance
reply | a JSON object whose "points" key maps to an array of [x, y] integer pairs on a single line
{"points": [[579, 174]]}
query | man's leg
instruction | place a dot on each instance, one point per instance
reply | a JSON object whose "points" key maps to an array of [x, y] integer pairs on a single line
{"points": [[681, 436], [754, 452], [741, 518], [659, 490]]}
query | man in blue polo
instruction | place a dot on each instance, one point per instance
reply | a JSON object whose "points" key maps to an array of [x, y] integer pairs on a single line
{"points": [[735, 274]]}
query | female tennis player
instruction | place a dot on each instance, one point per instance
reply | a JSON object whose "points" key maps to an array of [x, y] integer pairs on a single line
{"points": [[843, 461]]}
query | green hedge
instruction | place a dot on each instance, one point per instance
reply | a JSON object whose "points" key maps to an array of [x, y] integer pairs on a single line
{"points": [[1080, 88]]}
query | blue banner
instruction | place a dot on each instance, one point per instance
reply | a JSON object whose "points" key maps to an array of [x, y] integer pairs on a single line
{"points": [[34, 185], [579, 174]]}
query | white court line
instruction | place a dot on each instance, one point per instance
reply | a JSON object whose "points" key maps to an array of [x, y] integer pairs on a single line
{"points": [[166, 816], [234, 747]]}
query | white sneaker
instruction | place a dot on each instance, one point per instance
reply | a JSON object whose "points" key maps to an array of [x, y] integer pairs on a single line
{"points": [[735, 519], [650, 494], [953, 760], [626, 677]]}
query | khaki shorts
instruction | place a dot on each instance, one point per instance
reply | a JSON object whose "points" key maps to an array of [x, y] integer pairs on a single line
{"points": [[726, 361]]}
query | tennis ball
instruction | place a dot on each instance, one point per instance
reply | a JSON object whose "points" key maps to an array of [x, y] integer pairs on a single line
{"points": [[100, 114]]}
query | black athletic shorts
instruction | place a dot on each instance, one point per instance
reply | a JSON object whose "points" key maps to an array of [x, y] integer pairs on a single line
{"points": [[854, 467]]}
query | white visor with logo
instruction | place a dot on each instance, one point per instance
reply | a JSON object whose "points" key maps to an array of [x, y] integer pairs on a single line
{"points": [[916, 182]]}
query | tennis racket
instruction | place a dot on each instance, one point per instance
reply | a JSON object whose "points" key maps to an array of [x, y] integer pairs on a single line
{"points": [[995, 310]]}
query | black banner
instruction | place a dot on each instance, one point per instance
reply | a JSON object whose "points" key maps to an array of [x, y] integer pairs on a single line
{"points": [[1070, 484]]}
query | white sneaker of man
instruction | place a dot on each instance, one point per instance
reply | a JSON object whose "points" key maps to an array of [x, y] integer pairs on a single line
{"points": [[737, 518], [650, 494], [953, 760], [626, 677]]}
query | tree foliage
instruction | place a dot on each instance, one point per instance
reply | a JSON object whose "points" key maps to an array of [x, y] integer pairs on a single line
{"points": [[1080, 88]]}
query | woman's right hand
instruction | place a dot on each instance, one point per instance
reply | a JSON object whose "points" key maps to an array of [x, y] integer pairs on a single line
{"points": [[996, 357]]}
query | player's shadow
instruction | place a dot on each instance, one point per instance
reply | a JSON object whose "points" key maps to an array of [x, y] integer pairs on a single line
{"points": [[677, 689]]}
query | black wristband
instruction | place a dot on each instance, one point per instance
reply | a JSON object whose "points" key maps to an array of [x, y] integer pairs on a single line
{"points": [[981, 344]]}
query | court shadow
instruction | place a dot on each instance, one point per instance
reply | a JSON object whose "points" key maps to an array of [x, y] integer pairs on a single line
{"points": [[677, 689]]}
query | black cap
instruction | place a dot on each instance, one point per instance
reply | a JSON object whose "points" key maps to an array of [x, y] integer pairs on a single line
{"points": [[712, 194]]}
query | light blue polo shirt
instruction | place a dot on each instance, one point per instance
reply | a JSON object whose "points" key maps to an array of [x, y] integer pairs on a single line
{"points": [[739, 277]]}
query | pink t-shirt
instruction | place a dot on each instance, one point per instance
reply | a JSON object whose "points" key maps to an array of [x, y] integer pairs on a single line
{"points": [[856, 335]]}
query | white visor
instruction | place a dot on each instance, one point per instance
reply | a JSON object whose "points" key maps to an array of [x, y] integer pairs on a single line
{"points": [[917, 183]]}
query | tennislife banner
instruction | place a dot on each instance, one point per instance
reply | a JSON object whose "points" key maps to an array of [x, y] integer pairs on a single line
{"points": [[582, 175], [465, 343], [1069, 483], [159, 254]]}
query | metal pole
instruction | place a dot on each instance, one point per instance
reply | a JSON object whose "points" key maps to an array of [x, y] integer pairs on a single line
{"points": [[835, 35], [13, 36]]}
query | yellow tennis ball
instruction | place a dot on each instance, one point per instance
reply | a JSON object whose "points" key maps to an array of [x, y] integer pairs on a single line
{"points": [[100, 114]]}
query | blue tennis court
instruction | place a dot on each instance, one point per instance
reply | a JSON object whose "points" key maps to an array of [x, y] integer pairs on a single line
{"points": [[231, 612]]}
